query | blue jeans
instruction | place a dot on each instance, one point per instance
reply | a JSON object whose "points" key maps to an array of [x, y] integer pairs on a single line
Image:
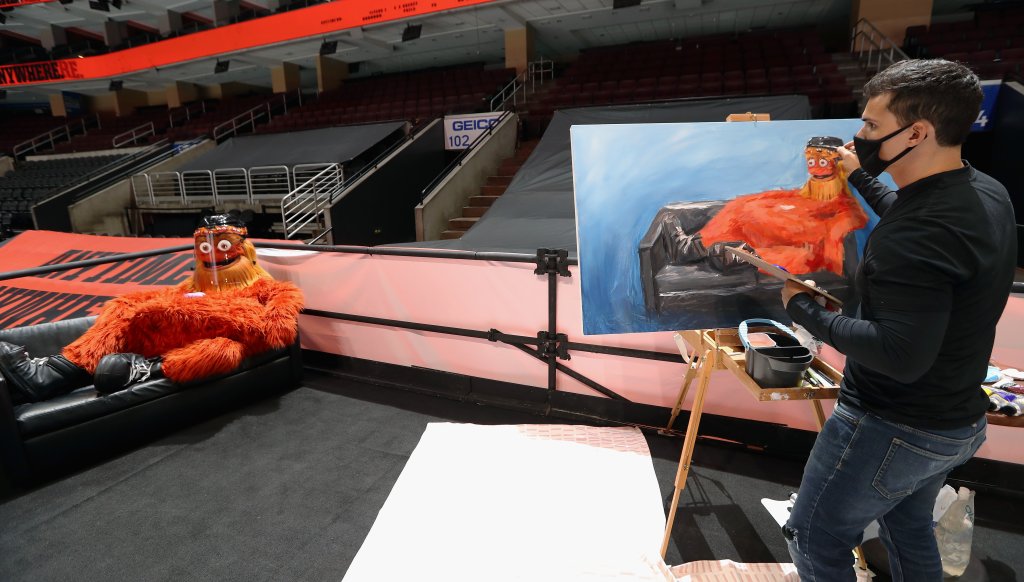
{"points": [[864, 468]]}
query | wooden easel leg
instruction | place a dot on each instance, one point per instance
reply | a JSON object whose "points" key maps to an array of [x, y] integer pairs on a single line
{"points": [[707, 365], [819, 413], [687, 380], [862, 564]]}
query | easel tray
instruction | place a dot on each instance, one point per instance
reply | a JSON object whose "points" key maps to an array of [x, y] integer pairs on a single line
{"points": [[733, 358]]}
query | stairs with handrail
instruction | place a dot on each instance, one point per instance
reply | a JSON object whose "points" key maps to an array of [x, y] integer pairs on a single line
{"points": [[492, 189]]}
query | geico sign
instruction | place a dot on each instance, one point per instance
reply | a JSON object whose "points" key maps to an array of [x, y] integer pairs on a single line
{"points": [[471, 124]]}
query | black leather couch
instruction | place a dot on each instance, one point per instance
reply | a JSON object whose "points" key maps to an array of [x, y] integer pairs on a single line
{"points": [[670, 288], [41, 439]]}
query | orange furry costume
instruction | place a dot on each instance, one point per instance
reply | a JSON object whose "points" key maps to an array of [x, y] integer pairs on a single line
{"points": [[196, 336], [801, 230], [229, 310]]}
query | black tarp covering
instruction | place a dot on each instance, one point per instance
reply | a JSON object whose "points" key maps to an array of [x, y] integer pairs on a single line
{"points": [[1005, 157], [537, 210], [380, 209], [328, 145]]}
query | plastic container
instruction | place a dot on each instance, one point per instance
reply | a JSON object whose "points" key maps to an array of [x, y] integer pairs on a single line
{"points": [[781, 366], [954, 533]]}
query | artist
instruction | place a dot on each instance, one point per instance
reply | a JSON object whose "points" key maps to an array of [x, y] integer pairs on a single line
{"points": [[935, 276]]}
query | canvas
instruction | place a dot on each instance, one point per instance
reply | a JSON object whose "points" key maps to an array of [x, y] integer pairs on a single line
{"points": [[658, 204]]}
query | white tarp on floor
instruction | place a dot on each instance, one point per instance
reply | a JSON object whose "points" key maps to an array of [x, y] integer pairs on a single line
{"points": [[524, 502]]}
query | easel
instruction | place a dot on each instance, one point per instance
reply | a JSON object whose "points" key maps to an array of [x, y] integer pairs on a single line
{"points": [[721, 349]]}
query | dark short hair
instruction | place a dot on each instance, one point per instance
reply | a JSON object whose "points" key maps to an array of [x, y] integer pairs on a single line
{"points": [[945, 93]]}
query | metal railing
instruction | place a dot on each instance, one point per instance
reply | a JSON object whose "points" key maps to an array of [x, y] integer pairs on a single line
{"points": [[159, 187], [510, 92], [270, 183], [526, 82], [198, 186], [242, 121], [133, 135], [182, 115], [231, 184], [303, 172], [874, 50], [50, 138], [164, 187], [372, 164], [259, 184], [262, 113], [457, 162], [540, 72], [306, 203], [142, 189]]}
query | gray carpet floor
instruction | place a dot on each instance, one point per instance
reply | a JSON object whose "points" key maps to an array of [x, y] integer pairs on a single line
{"points": [[287, 489]]}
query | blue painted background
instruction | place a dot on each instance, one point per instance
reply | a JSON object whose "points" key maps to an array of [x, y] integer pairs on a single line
{"points": [[623, 174]]}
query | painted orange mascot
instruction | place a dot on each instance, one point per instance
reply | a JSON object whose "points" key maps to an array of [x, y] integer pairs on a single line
{"points": [[228, 310], [800, 229]]}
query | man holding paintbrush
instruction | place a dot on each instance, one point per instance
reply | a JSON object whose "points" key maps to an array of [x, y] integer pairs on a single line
{"points": [[935, 276]]}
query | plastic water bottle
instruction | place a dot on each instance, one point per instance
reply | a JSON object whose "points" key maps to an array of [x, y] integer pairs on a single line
{"points": [[954, 532]]}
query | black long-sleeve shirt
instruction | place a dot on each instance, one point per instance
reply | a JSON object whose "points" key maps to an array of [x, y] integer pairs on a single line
{"points": [[933, 282]]}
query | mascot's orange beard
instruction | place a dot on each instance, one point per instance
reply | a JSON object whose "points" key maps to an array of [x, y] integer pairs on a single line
{"points": [[824, 186], [235, 269]]}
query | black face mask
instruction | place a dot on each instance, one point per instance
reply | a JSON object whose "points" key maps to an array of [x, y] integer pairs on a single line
{"points": [[868, 152]]}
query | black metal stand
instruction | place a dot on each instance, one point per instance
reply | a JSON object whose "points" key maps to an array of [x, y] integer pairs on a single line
{"points": [[553, 263]]}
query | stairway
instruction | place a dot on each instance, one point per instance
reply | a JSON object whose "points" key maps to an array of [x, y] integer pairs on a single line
{"points": [[850, 66], [492, 189]]}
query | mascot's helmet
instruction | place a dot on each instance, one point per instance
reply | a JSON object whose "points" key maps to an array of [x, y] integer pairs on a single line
{"points": [[225, 258]]}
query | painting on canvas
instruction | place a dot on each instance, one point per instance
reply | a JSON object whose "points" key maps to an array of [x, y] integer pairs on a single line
{"points": [[658, 204]]}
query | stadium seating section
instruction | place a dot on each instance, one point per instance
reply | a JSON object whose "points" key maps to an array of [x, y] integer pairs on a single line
{"points": [[35, 181], [992, 43], [777, 63], [412, 96]]}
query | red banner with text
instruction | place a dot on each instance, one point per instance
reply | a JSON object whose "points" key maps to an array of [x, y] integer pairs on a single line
{"points": [[14, 3], [289, 26]]}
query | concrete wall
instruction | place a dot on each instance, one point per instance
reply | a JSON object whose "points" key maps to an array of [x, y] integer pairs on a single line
{"points": [[330, 73], [103, 212], [128, 100], [180, 93], [893, 18], [285, 78], [105, 103], [448, 198], [518, 49], [6, 164], [57, 106], [230, 89]]}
